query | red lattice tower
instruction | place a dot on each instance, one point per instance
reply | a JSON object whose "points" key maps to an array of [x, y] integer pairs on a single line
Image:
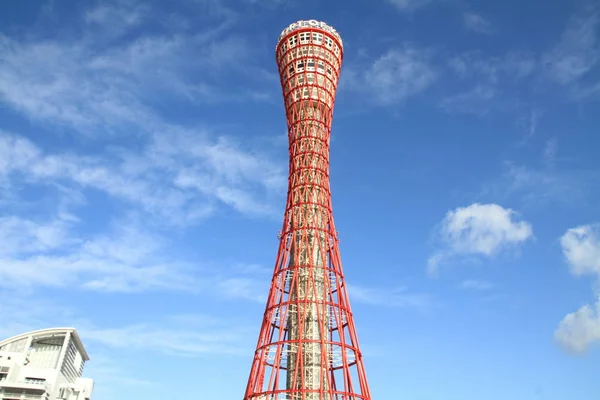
{"points": [[307, 348]]}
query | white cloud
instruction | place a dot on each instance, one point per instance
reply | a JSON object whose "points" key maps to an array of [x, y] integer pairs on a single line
{"points": [[477, 23], [397, 74], [581, 248], [577, 52], [478, 230], [581, 329]]}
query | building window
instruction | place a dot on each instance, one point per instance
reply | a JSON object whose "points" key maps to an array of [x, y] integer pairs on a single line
{"points": [[321, 66], [35, 380]]}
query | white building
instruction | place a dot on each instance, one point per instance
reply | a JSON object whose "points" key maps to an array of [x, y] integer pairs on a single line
{"points": [[44, 365]]}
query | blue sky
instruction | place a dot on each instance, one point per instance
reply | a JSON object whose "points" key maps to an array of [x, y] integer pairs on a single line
{"points": [[143, 166]]}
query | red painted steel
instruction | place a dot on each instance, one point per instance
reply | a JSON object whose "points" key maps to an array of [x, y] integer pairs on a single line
{"points": [[308, 348]]}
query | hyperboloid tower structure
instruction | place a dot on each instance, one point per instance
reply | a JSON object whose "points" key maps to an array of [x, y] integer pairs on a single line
{"points": [[307, 348]]}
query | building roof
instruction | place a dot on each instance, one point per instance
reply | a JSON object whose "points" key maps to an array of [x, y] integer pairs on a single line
{"points": [[51, 331]]}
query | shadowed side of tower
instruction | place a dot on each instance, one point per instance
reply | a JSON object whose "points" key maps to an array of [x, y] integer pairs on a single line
{"points": [[307, 348]]}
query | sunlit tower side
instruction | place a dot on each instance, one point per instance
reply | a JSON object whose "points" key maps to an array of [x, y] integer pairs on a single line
{"points": [[307, 347]]}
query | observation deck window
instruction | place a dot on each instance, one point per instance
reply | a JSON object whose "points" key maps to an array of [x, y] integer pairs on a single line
{"points": [[293, 40], [328, 42], [304, 37], [321, 66], [300, 66], [317, 38]]}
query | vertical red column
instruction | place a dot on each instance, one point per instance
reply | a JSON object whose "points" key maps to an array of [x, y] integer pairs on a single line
{"points": [[307, 348]]}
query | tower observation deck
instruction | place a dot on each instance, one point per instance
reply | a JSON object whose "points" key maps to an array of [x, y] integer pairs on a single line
{"points": [[307, 347]]}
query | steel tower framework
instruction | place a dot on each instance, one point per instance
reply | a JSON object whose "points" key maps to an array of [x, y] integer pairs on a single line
{"points": [[308, 348]]}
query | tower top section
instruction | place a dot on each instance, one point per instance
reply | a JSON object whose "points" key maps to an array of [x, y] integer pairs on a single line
{"points": [[311, 24]]}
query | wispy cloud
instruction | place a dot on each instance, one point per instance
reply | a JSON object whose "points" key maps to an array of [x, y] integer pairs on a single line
{"points": [[192, 339], [397, 74], [474, 101], [577, 52], [477, 285], [477, 23], [119, 16], [535, 186], [126, 259], [529, 125], [89, 81], [478, 230], [391, 297], [409, 5], [31, 312], [94, 85], [178, 178], [488, 80], [550, 152]]}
